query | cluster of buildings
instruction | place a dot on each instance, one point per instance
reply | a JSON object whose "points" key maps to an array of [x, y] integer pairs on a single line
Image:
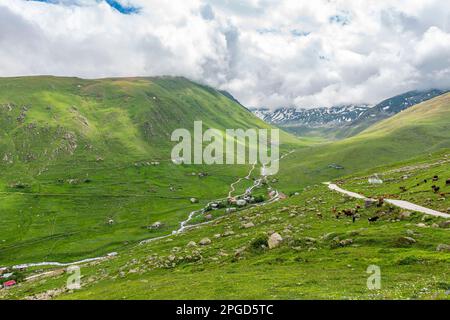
{"points": [[5, 278]]}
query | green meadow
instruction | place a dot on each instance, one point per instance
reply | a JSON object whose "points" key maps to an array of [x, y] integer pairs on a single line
{"points": [[85, 171]]}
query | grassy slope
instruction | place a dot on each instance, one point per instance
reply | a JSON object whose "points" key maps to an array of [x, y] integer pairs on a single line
{"points": [[53, 131], [411, 180], [301, 268], [417, 130]]}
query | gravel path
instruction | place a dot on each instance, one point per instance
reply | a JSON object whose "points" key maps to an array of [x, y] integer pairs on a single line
{"points": [[398, 203]]}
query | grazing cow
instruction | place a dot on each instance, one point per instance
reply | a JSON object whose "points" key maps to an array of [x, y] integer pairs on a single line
{"points": [[447, 182], [403, 189], [348, 212], [374, 219], [425, 180], [380, 202], [435, 189], [435, 178]]}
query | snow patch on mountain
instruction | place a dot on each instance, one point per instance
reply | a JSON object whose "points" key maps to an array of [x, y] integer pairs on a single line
{"points": [[333, 116]]}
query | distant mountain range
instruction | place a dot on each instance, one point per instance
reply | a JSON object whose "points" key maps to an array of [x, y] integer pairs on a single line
{"points": [[341, 121], [334, 116]]}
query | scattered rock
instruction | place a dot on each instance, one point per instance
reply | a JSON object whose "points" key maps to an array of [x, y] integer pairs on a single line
{"points": [[405, 215], [191, 244], [345, 242], [228, 233], [204, 242], [443, 248], [248, 225], [274, 240], [310, 240], [230, 210], [241, 203], [328, 236], [240, 251], [156, 225], [406, 240], [421, 225], [353, 233]]}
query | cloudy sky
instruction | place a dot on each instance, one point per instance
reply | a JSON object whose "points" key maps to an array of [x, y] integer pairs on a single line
{"points": [[265, 52]]}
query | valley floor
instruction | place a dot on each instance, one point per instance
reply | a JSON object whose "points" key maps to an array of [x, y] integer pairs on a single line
{"points": [[320, 257]]}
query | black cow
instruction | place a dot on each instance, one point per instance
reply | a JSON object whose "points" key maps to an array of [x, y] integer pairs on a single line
{"points": [[435, 189]]}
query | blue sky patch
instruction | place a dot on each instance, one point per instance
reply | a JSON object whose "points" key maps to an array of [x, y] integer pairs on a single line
{"points": [[121, 8], [113, 3]]}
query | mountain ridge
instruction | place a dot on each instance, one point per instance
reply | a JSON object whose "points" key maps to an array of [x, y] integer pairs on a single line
{"points": [[339, 122]]}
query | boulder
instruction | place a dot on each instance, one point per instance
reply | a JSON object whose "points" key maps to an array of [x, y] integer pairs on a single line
{"points": [[248, 225], [328, 236], [228, 233], [405, 215], [345, 242], [241, 203], [274, 240], [156, 225], [443, 248], [204, 242], [406, 240], [421, 225], [191, 244], [229, 210]]}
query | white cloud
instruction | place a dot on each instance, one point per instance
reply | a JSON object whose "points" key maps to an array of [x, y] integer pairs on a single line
{"points": [[265, 52]]}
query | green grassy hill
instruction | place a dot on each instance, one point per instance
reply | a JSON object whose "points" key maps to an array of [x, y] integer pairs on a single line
{"points": [[75, 154], [420, 129]]}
